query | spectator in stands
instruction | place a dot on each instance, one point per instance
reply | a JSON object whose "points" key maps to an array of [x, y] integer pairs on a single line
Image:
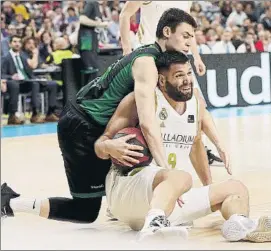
{"points": [[114, 28], [266, 21], [260, 42], [219, 31], [88, 44], [46, 46], [3, 85], [237, 17], [4, 32], [29, 32], [61, 51], [201, 43], [237, 38], [217, 20], [115, 5], [211, 38], [248, 45], [8, 11], [224, 46], [20, 9], [50, 5], [32, 6], [72, 17], [17, 72], [19, 21], [105, 10], [46, 26], [259, 27], [5, 42], [226, 8], [250, 11], [31, 55]]}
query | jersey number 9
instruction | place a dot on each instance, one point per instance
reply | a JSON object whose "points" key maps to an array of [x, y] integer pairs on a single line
{"points": [[172, 160]]}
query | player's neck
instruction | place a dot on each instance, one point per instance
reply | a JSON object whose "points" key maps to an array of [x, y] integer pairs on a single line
{"points": [[162, 44], [179, 107]]}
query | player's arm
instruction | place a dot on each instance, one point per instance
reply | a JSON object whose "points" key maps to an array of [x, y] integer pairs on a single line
{"points": [[124, 116], [198, 155], [199, 65], [128, 10], [146, 77], [209, 128]]}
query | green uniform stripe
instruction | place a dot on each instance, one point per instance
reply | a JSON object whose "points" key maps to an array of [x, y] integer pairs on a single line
{"points": [[88, 195]]}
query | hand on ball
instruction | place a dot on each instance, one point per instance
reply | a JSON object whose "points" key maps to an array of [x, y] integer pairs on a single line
{"points": [[124, 152]]}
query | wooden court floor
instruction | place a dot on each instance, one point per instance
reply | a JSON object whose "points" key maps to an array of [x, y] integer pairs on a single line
{"points": [[33, 167]]}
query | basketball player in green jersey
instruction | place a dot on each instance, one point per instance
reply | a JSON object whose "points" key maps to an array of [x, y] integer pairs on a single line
{"points": [[81, 124]]}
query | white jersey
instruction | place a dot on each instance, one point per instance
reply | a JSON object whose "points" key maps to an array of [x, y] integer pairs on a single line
{"points": [[178, 131], [150, 13]]}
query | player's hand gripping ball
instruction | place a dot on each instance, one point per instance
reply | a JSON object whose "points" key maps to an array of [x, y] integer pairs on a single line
{"points": [[138, 140]]}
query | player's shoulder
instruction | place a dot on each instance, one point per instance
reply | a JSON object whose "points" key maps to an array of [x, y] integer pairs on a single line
{"points": [[146, 51]]}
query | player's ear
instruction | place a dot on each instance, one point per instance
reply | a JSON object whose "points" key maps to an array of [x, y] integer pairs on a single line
{"points": [[161, 80], [166, 31]]}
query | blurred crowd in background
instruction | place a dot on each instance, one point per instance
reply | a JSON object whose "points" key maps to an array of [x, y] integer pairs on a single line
{"points": [[244, 25], [49, 33]]}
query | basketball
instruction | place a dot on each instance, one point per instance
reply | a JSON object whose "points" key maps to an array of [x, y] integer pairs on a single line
{"points": [[138, 140]]}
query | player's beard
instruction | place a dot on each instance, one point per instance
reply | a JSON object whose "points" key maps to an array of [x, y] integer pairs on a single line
{"points": [[178, 95]]}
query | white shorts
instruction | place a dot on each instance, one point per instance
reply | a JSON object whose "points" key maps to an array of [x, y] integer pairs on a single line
{"points": [[129, 199]]}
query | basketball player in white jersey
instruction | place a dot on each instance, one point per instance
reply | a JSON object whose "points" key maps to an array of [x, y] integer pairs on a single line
{"points": [[148, 198], [150, 12]]}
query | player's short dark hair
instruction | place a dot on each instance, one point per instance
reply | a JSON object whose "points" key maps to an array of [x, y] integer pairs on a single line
{"points": [[172, 18], [14, 36], [167, 58]]}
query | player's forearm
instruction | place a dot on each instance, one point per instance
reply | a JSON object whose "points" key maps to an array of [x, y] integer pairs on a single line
{"points": [[199, 160], [125, 31], [209, 128], [149, 126], [194, 49], [84, 20]]}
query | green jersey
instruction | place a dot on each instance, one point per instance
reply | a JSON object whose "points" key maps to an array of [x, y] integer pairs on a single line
{"points": [[100, 98]]}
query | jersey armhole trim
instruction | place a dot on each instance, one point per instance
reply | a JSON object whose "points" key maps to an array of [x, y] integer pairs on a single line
{"points": [[141, 55]]}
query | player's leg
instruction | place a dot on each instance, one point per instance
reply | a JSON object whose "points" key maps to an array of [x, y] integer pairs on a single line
{"points": [[168, 187], [146, 199], [85, 172], [232, 199], [202, 201]]}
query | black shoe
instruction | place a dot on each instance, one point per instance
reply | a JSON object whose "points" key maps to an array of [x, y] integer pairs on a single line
{"points": [[212, 158], [160, 221], [160, 227], [6, 195]]}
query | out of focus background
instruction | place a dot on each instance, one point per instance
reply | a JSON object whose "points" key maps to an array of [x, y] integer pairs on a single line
{"points": [[238, 73]]}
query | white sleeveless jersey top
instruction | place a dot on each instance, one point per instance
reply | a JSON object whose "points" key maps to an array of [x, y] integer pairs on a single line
{"points": [[151, 11], [178, 131]]}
